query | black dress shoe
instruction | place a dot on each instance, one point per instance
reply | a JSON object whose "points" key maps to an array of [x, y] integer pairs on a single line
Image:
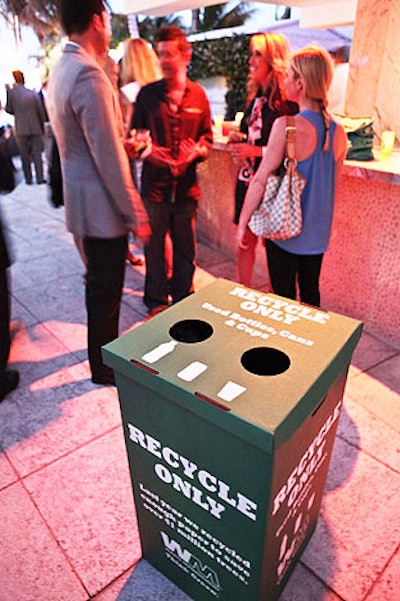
{"points": [[105, 380], [10, 383]]}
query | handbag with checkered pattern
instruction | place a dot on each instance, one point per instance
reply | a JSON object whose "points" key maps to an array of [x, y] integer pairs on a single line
{"points": [[279, 215]]}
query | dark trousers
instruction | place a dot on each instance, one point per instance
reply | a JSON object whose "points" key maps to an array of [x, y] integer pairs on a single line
{"points": [[179, 218], [4, 325], [31, 146], [104, 281], [286, 268]]}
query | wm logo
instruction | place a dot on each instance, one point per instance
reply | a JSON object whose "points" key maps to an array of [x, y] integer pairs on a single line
{"points": [[185, 558]]}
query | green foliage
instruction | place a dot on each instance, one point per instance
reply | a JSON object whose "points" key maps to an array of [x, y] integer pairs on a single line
{"points": [[149, 25], [220, 16], [41, 15], [228, 57], [120, 30]]}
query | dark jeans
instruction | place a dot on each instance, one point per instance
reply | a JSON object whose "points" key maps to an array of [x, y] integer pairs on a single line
{"points": [[31, 146], [179, 218], [104, 281], [4, 325], [285, 268]]}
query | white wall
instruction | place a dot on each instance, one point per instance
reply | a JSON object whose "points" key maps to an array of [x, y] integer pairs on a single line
{"points": [[216, 89]]}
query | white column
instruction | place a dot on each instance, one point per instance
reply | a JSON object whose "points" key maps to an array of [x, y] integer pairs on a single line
{"points": [[374, 81], [133, 25]]}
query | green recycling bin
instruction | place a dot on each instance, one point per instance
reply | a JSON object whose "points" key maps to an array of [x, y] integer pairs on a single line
{"points": [[230, 401]]}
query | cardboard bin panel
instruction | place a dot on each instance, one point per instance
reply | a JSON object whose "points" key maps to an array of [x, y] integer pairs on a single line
{"points": [[230, 402]]}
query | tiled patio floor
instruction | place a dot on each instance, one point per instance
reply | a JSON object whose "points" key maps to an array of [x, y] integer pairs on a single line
{"points": [[67, 520]]}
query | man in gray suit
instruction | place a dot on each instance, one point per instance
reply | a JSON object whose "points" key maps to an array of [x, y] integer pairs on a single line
{"points": [[101, 203], [30, 117]]}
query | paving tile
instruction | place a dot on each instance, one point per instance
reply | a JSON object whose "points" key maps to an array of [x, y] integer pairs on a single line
{"points": [[365, 431], [304, 586], [387, 586], [134, 276], [21, 316], [388, 372], [143, 583], [207, 255], [26, 274], [202, 278], [61, 299], [72, 336], [130, 319], [36, 352], [37, 247], [58, 428], [222, 266], [354, 539], [32, 565], [86, 500], [7, 473], [371, 351], [378, 390], [114, 590]]}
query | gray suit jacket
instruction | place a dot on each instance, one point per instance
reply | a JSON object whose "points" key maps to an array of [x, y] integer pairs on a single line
{"points": [[100, 198], [27, 109]]}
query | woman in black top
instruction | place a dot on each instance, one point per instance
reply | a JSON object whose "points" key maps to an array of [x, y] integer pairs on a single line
{"points": [[268, 63]]}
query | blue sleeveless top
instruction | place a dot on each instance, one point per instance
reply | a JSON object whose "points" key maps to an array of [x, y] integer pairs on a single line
{"points": [[318, 194]]}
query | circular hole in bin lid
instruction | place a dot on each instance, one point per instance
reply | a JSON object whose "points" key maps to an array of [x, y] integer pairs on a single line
{"points": [[265, 361], [191, 330]]}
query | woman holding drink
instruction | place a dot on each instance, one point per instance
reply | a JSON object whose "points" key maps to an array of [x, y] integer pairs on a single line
{"points": [[321, 146], [269, 59]]}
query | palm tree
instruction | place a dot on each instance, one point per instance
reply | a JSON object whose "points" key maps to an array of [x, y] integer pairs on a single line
{"points": [[41, 15], [149, 25], [220, 16]]}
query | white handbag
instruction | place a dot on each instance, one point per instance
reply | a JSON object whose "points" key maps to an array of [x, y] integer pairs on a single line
{"points": [[279, 215]]}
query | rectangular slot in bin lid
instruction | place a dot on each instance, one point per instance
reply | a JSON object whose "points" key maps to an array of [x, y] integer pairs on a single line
{"points": [[266, 360]]}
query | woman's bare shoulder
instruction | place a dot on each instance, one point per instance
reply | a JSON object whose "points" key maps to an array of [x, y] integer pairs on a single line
{"points": [[306, 138]]}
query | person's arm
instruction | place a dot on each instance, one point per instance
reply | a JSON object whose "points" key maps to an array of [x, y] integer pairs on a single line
{"points": [[243, 150], [40, 109], [197, 149], [275, 152], [340, 150], [93, 102], [159, 156], [9, 103]]}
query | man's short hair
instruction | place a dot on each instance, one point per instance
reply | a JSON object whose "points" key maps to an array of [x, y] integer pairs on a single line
{"points": [[169, 33], [76, 15], [18, 76]]}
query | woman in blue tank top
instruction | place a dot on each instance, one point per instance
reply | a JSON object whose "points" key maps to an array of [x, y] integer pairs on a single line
{"points": [[321, 145]]}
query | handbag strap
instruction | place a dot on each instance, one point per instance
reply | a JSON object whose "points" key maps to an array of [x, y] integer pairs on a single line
{"points": [[290, 160], [290, 138]]}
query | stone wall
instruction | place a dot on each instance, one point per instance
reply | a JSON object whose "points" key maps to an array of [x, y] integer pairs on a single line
{"points": [[374, 81]]}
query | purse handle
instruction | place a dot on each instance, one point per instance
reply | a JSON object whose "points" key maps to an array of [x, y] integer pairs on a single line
{"points": [[290, 160]]}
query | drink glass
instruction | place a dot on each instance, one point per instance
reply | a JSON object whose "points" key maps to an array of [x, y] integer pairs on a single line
{"points": [[387, 143], [218, 124], [238, 118]]}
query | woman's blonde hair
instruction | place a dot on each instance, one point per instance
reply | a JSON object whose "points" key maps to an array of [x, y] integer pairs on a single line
{"points": [[315, 67], [139, 63], [275, 49]]}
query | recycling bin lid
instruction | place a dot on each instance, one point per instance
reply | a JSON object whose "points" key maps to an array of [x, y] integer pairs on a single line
{"points": [[254, 362]]}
